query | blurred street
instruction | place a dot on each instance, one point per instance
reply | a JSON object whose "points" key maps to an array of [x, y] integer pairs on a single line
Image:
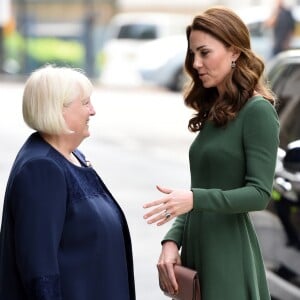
{"points": [[138, 139]]}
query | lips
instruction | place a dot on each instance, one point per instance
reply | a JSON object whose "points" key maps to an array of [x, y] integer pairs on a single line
{"points": [[202, 75]]}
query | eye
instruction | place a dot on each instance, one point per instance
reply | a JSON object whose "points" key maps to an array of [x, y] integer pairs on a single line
{"points": [[86, 101], [203, 53]]}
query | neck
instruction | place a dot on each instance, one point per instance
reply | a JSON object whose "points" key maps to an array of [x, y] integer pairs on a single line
{"points": [[59, 144]]}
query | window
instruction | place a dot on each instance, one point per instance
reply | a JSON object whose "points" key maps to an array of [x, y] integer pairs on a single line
{"points": [[138, 32]]}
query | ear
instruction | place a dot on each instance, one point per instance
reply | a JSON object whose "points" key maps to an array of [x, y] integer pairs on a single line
{"points": [[235, 53]]}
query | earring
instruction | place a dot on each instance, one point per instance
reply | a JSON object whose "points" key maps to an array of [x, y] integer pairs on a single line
{"points": [[233, 64]]}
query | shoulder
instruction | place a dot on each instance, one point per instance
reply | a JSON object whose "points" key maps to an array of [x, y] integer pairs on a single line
{"points": [[259, 118], [258, 105], [259, 113], [35, 154], [38, 172]]}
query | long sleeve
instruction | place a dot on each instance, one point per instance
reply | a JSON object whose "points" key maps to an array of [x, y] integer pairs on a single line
{"points": [[39, 208], [232, 168], [260, 130], [175, 234]]}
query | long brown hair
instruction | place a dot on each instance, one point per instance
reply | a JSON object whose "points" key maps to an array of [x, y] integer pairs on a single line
{"points": [[247, 76]]}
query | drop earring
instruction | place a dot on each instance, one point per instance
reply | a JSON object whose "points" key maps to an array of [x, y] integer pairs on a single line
{"points": [[233, 64]]}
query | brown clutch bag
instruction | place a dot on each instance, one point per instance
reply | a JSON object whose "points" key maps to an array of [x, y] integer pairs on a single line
{"points": [[188, 284]]}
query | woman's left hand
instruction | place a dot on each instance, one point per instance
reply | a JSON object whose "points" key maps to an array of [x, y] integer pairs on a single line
{"points": [[173, 204]]}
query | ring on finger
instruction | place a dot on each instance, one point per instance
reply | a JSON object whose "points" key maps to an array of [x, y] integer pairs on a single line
{"points": [[167, 214]]}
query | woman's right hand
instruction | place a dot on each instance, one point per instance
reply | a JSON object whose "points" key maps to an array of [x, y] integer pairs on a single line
{"points": [[168, 258]]}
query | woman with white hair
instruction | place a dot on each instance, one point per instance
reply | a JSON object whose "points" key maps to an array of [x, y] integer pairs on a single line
{"points": [[63, 235]]}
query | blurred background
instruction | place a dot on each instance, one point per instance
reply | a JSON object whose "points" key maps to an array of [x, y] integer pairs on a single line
{"points": [[101, 35], [134, 50]]}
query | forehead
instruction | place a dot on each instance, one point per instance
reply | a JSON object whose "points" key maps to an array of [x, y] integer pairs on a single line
{"points": [[200, 39]]}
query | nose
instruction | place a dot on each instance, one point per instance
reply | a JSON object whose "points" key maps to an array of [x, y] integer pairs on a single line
{"points": [[92, 110], [197, 63]]}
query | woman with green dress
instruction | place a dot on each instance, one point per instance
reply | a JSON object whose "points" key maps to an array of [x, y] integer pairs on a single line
{"points": [[232, 163]]}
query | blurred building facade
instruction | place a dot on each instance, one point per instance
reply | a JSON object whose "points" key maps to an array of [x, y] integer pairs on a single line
{"points": [[104, 9], [68, 10], [82, 21], [189, 6]]}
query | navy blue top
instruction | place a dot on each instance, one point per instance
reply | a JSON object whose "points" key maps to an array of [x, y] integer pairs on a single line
{"points": [[63, 236]]}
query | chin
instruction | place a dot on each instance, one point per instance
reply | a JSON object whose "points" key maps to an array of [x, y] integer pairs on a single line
{"points": [[207, 85]]}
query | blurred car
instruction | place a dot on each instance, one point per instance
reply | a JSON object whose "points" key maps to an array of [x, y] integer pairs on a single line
{"points": [[125, 33], [283, 72], [161, 62]]}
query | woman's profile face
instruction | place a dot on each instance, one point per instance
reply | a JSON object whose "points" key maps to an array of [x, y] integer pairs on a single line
{"points": [[77, 115], [212, 60]]}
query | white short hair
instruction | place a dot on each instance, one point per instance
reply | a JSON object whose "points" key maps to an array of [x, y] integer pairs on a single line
{"points": [[47, 91]]}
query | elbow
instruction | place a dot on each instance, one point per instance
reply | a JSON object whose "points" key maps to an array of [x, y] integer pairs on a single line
{"points": [[264, 200]]}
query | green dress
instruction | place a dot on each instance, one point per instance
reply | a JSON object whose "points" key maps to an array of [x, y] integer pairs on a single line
{"points": [[232, 171]]}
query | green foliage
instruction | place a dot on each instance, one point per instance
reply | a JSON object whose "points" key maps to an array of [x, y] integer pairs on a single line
{"points": [[40, 51], [51, 50], [14, 45]]}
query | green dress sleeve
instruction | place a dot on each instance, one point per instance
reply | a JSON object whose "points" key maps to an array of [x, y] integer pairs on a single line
{"points": [[254, 138], [175, 234], [260, 137]]}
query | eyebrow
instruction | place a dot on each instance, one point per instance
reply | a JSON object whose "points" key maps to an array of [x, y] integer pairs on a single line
{"points": [[199, 48]]}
